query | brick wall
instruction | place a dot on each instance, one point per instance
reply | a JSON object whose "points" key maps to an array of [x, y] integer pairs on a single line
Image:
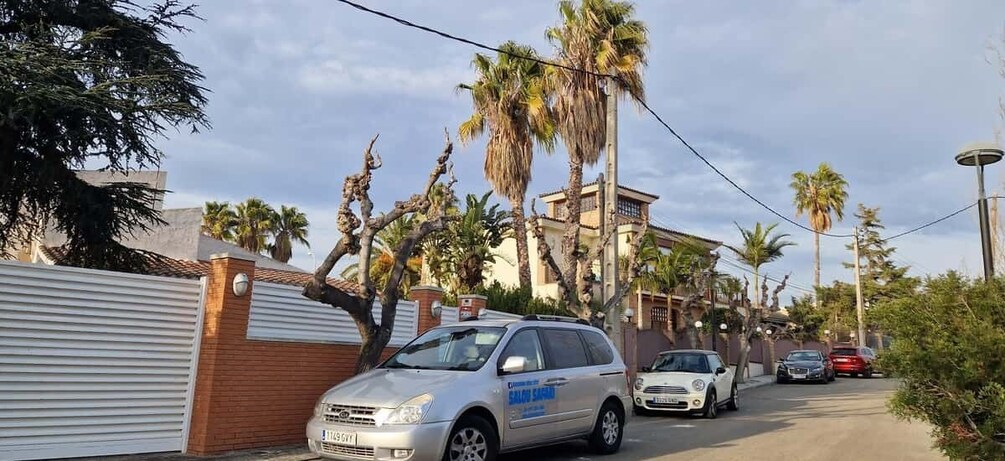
{"points": [[250, 393]]}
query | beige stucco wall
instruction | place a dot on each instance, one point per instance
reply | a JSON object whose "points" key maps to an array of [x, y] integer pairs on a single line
{"points": [[505, 268]]}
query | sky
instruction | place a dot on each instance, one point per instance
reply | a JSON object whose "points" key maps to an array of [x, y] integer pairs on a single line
{"points": [[886, 92]]}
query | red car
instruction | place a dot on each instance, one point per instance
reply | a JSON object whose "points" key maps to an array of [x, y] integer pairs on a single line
{"points": [[853, 360]]}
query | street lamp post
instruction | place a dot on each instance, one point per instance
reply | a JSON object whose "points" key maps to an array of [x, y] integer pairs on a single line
{"points": [[978, 155]]}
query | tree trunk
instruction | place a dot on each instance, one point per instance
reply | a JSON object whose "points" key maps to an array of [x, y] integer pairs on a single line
{"points": [[741, 361], [373, 345], [816, 267], [570, 239], [520, 234]]}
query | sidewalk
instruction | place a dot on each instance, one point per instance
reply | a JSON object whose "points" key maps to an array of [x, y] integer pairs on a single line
{"points": [[756, 381], [288, 453]]}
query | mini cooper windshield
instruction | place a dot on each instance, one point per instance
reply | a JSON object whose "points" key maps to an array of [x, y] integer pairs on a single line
{"points": [[459, 348], [686, 363]]}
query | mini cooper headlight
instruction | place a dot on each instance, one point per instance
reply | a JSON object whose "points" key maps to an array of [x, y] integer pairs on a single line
{"points": [[638, 384], [698, 385]]}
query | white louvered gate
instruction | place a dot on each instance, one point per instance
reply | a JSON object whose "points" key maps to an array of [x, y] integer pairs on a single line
{"points": [[281, 313], [93, 362]]}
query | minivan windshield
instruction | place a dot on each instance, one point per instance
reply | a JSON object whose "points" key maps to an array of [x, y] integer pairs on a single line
{"points": [[686, 363], [459, 348]]}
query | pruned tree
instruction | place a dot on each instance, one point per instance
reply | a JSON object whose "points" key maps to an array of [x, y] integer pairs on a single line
{"points": [[754, 316], [696, 287], [575, 275], [358, 233]]}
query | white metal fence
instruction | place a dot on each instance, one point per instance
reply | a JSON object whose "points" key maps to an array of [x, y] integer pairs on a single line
{"points": [[281, 313], [93, 362], [451, 315]]}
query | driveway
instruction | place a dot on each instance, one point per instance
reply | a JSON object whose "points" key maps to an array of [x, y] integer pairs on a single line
{"points": [[841, 421]]}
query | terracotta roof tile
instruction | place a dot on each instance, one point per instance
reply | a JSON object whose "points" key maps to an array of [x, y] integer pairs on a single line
{"points": [[181, 268]]}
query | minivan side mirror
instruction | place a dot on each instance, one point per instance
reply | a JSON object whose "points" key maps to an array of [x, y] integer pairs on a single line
{"points": [[513, 364], [720, 370]]}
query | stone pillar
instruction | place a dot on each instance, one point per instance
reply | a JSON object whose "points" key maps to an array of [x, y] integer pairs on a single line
{"points": [[225, 324], [469, 305], [425, 296]]}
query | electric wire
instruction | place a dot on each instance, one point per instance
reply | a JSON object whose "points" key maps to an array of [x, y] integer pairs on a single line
{"points": [[648, 109]]}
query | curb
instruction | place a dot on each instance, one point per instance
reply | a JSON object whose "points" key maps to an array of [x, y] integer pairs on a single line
{"points": [[754, 384]]}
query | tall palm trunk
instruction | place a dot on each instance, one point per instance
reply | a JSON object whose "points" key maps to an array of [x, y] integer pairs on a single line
{"points": [[520, 233], [570, 240], [757, 290], [816, 267]]}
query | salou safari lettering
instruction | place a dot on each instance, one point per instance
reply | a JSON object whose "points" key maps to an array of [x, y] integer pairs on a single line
{"points": [[529, 393]]}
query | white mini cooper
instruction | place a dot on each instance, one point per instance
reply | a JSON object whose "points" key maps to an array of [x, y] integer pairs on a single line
{"points": [[686, 381]]}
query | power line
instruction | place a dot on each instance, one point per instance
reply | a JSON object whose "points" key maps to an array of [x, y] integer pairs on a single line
{"points": [[648, 109], [734, 263], [641, 101], [473, 43], [923, 226]]}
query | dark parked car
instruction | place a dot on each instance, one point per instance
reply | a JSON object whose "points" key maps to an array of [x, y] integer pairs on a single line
{"points": [[853, 360], [805, 365]]}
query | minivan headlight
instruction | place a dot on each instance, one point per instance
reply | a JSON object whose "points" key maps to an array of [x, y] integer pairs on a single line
{"points": [[698, 385], [410, 412]]}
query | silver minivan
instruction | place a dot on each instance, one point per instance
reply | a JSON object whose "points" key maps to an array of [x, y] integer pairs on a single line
{"points": [[473, 389]]}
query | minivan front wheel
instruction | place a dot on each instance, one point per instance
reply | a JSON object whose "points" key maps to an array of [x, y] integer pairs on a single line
{"points": [[609, 429], [472, 439]]}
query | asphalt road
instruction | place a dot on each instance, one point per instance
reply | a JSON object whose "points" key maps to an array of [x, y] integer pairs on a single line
{"points": [[844, 420]]}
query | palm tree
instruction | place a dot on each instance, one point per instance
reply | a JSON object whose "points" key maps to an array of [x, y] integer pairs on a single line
{"points": [[219, 220], [254, 220], [818, 195], [481, 229], [386, 240], [288, 225], [675, 269], [599, 36], [510, 98], [760, 247]]}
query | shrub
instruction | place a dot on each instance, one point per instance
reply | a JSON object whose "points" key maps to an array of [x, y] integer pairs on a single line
{"points": [[949, 351]]}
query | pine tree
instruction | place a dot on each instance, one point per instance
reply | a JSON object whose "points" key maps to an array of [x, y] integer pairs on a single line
{"points": [[882, 279]]}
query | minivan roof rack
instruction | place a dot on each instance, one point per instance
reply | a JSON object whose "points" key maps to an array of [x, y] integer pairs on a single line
{"points": [[555, 318]]}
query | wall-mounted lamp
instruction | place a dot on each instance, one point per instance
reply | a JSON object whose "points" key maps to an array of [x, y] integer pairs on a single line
{"points": [[240, 284], [698, 324], [629, 313], [436, 309], [723, 326]]}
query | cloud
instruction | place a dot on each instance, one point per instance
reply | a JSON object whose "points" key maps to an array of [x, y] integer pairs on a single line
{"points": [[333, 76], [886, 92]]}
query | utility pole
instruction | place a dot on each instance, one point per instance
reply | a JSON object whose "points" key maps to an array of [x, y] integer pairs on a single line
{"points": [[858, 294], [609, 267]]}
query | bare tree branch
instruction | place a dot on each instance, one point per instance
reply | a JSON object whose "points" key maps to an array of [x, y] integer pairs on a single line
{"points": [[634, 268], [544, 254]]}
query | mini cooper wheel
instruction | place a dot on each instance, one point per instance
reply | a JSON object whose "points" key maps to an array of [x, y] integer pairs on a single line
{"points": [[609, 429], [472, 439], [711, 406]]}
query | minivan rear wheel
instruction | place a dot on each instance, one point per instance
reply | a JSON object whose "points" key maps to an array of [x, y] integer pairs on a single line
{"points": [[608, 430], [472, 439]]}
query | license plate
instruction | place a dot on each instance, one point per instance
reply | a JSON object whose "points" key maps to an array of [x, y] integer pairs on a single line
{"points": [[339, 437], [664, 400], [799, 376]]}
